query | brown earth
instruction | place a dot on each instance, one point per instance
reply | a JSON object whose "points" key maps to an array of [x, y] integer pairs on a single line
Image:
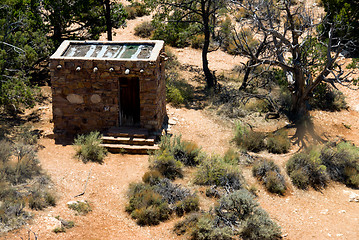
{"points": [[325, 214]]}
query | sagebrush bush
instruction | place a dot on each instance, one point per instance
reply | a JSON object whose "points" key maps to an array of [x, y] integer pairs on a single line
{"points": [[152, 177], [197, 41], [269, 173], [214, 171], [187, 205], [248, 139], [5, 151], [278, 142], [88, 148], [39, 200], [178, 91], [167, 165], [342, 163], [306, 169], [187, 152], [144, 29], [240, 208], [80, 207], [232, 157]]}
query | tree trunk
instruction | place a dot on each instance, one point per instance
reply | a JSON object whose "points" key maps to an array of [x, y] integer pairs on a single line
{"points": [[207, 35], [246, 76], [108, 20]]}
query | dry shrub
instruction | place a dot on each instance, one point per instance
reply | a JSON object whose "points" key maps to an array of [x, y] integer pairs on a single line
{"points": [[80, 207], [307, 169], [278, 142], [197, 41], [269, 173], [152, 177], [214, 171], [167, 165], [144, 29], [248, 140], [88, 148]]}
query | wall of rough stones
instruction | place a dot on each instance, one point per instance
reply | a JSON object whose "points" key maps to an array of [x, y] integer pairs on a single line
{"points": [[86, 93]]}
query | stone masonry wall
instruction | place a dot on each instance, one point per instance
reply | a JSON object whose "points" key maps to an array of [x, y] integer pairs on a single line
{"points": [[86, 93]]}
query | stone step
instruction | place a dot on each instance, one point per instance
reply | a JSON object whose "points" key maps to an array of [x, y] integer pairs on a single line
{"points": [[149, 141], [132, 149], [127, 132]]}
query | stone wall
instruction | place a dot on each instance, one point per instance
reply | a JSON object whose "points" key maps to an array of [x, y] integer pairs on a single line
{"points": [[86, 93]]}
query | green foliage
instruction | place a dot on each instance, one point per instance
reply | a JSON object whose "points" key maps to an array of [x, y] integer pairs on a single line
{"points": [[23, 42], [327, 98], [144, 29], [225, 34], [186, 152], [80, 207], [172, 61], [152, 177], [240, 207], [342, 163], [346, 13], [353, 64], [197, 41], [236, 213], [136, 9], [62, 16], [19, 165], [187, 205], [88, 148], [278, 142], [248, 139], [167, 165], [231, 156], [38, 200], [307, 169], [178, 91], [214, 171], [269, 173]]}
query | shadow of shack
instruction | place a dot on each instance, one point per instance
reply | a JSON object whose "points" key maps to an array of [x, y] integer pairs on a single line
{"points": [[99, 85]]}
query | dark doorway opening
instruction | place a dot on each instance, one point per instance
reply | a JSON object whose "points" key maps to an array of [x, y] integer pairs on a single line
{"points": [[129, 101]]}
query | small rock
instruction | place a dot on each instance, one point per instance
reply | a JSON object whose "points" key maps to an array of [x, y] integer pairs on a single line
{"points": [[53, 223], [325, 211], [41, 108], [353, 197], [172, 122], [339, 235], [174, 118], [342, 211]]}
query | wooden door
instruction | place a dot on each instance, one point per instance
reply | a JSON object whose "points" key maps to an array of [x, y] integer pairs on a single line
{"points": [[129, 101]]}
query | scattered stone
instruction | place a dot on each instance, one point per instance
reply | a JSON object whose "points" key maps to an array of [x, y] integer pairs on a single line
{"points": [[325, 211], [339, 235], [172, 122], [342, 211], [52, 223], [353, 197], [42, 108], [75, 98]]}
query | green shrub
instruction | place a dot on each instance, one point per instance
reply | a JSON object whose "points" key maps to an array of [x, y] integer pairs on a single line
{"points": [[88, 148], [178, 91], [240, 209], [214, 171], [260, 226], [144, 29], [342, 164], [167, 165], [187, 205], [5, 151], [353, 64], [26, 135], [59, 230], [152, 177], [197, 41], [81, 207], [327, 98], [278, 142], [131, 12], [269, 173], [306, 169], [147, 206], [232, 157], [26, 166], [187, 152], [248, 139]]}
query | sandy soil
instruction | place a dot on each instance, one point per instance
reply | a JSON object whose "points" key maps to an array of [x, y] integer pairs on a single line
{"points": [[309, 214]]}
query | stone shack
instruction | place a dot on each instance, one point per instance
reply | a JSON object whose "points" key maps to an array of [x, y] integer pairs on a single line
{"points": [[98, 85]]}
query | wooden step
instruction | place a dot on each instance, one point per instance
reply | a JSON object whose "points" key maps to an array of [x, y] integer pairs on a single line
{"points": [[127, 132], [150, 141], [133, 149]]}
